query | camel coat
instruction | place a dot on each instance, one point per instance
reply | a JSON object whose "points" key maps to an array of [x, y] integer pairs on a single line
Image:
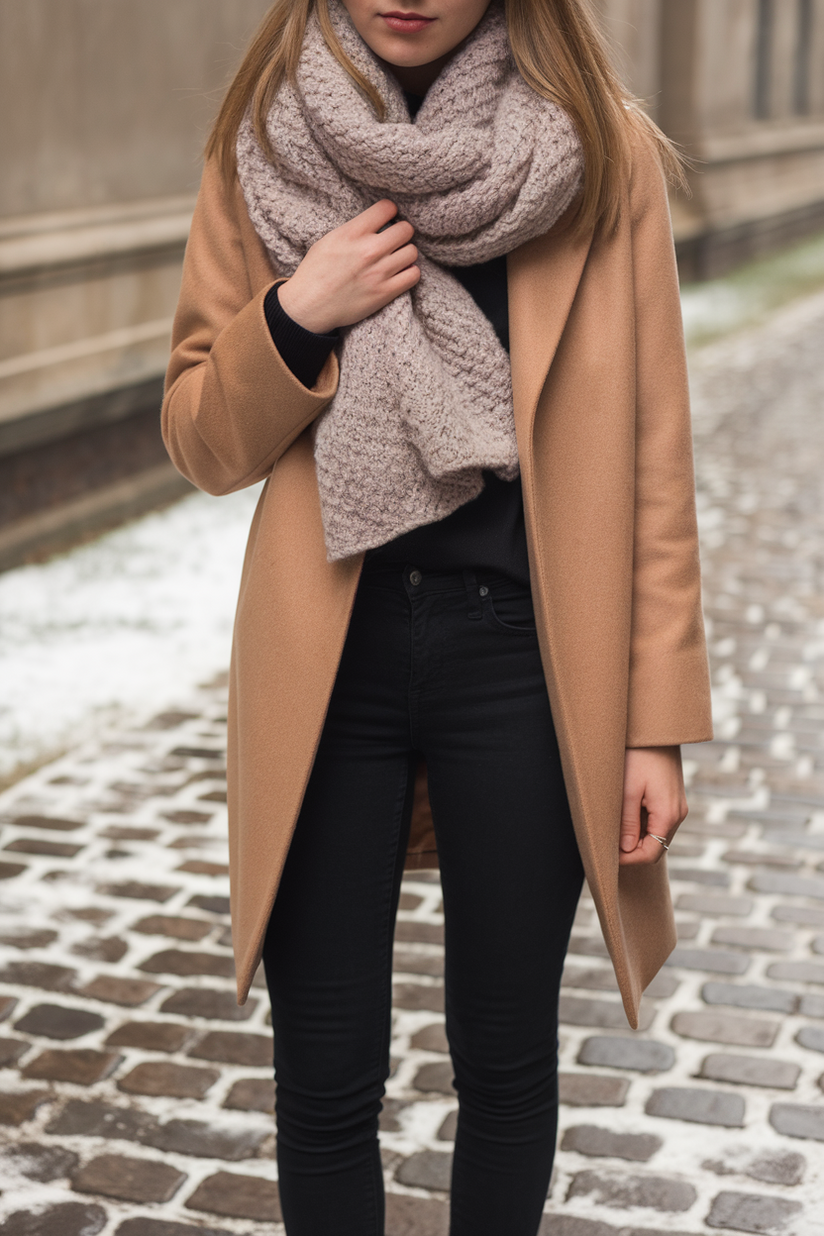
{"points": [[602, 422]]}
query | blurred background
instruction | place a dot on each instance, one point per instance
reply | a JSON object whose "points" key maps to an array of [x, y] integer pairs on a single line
{"points": [[106, 106]]}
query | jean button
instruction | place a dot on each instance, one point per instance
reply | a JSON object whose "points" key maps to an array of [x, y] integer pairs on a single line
{"points": [[415, 577], [483, 590]]}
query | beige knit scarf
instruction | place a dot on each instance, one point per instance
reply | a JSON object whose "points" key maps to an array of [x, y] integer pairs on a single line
{"points": [[424, 402]]}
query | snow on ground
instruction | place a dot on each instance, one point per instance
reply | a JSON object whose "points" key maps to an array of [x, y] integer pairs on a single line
{"points": [[128, 623], [751, 293]]}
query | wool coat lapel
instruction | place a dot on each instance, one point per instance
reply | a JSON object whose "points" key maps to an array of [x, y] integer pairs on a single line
{"points": [[583, 598]]}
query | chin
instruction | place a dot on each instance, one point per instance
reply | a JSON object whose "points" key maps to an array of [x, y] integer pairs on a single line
{"points": [[404, 56]]}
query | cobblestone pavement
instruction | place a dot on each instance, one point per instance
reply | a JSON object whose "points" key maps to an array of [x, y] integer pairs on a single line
{"points": [[135, 1096]]}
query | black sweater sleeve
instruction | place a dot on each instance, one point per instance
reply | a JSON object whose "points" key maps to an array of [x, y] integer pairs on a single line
{"points": [[304, 352]]}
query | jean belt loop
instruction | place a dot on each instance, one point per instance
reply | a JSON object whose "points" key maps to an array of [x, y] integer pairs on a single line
{"points": [[472, 596]]}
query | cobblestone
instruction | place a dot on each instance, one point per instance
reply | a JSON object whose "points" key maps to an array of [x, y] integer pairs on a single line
{"points": [[129, 1180], [131, 993], [252, 1094], [414, 996], [8, 871], [40, 1163], [700, 1106], [811, 1006], [603, 1143], [712, 905], [804, 915], [724, 1028], [211, 1005], [239, 1197], [767, 999], [35, 845], [409, 1216], [617, 1052], [759, 939], [436, 1077], [116, 972], [150, 1036], [18, 1107], [38, 974], [655, 1192], [184, 964], [101, 949], [783, 1169], [94, 1119], [751, 1071], [177, 1081], [251, 1050], [606, 1014], [746, 1212], [139, 892], [178, 928], [797, 972], [797, 1120], [29, 939], [430, 1038], [707, 960], [429, 1169], [11, 1050], [592, 1090], [811, 1037], [194, 1137], [83, 1067], [64, 1219]]}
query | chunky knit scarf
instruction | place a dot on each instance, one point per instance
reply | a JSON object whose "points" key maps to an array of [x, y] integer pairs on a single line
{"points": [[424, 402]]}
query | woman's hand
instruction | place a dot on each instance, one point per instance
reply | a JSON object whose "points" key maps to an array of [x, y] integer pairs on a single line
{"points": [[654, 789], [352, 271]]}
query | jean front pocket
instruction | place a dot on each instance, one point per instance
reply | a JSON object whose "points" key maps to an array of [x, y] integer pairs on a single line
{"points": [[508, 607]]}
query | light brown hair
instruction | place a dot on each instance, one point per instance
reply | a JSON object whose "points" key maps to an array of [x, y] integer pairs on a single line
{"points": [[558, 49]]}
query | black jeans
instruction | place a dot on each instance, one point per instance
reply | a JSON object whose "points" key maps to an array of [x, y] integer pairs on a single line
{"points": [[445, 666]]}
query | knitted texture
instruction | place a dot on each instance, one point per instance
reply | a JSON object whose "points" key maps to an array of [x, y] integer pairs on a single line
{"points": [[424, 401]]}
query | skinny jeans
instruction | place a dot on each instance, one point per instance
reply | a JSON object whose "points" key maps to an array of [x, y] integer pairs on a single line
{"points": [[443, 666]]}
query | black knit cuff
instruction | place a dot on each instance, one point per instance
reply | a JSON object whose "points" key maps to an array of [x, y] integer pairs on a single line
{"points": [[304, 352]]}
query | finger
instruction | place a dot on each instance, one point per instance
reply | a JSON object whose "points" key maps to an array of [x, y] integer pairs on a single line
{"points": [[401, 283], [398, 261], [664, 818], [374, 217], [648, 852], [630, 819], [397, 234]]}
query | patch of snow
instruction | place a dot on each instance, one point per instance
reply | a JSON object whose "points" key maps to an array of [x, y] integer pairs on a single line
{"points": [[749, 295], [711, 309], [126, 624]]}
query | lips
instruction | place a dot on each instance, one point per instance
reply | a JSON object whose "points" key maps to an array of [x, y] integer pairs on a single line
{"points": [[406, 23]]}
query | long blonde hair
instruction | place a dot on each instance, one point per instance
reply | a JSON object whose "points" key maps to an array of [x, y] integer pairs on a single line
{"points": [[558, 49]]}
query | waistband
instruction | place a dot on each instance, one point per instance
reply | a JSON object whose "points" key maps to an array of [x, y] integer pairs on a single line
{"points": [[414, 580]]}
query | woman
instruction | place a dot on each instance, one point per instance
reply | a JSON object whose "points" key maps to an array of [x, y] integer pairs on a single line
{"points": [[430, 297]]}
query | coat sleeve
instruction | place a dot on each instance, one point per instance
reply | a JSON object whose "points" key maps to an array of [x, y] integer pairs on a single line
{"points": [[669, 690], [231, 406]]}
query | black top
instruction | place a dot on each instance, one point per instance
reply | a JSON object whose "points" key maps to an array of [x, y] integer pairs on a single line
{"points": [[487, 534]]}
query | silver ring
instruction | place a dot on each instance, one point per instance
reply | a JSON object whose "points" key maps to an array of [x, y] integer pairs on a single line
{"points": [[661, 840]]}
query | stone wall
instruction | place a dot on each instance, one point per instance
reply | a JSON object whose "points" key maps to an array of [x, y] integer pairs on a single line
{"points": [[740, 85], [106, 110]]}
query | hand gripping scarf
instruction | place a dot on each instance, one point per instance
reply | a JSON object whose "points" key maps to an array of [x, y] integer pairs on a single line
{"points": [[424, 402]]}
